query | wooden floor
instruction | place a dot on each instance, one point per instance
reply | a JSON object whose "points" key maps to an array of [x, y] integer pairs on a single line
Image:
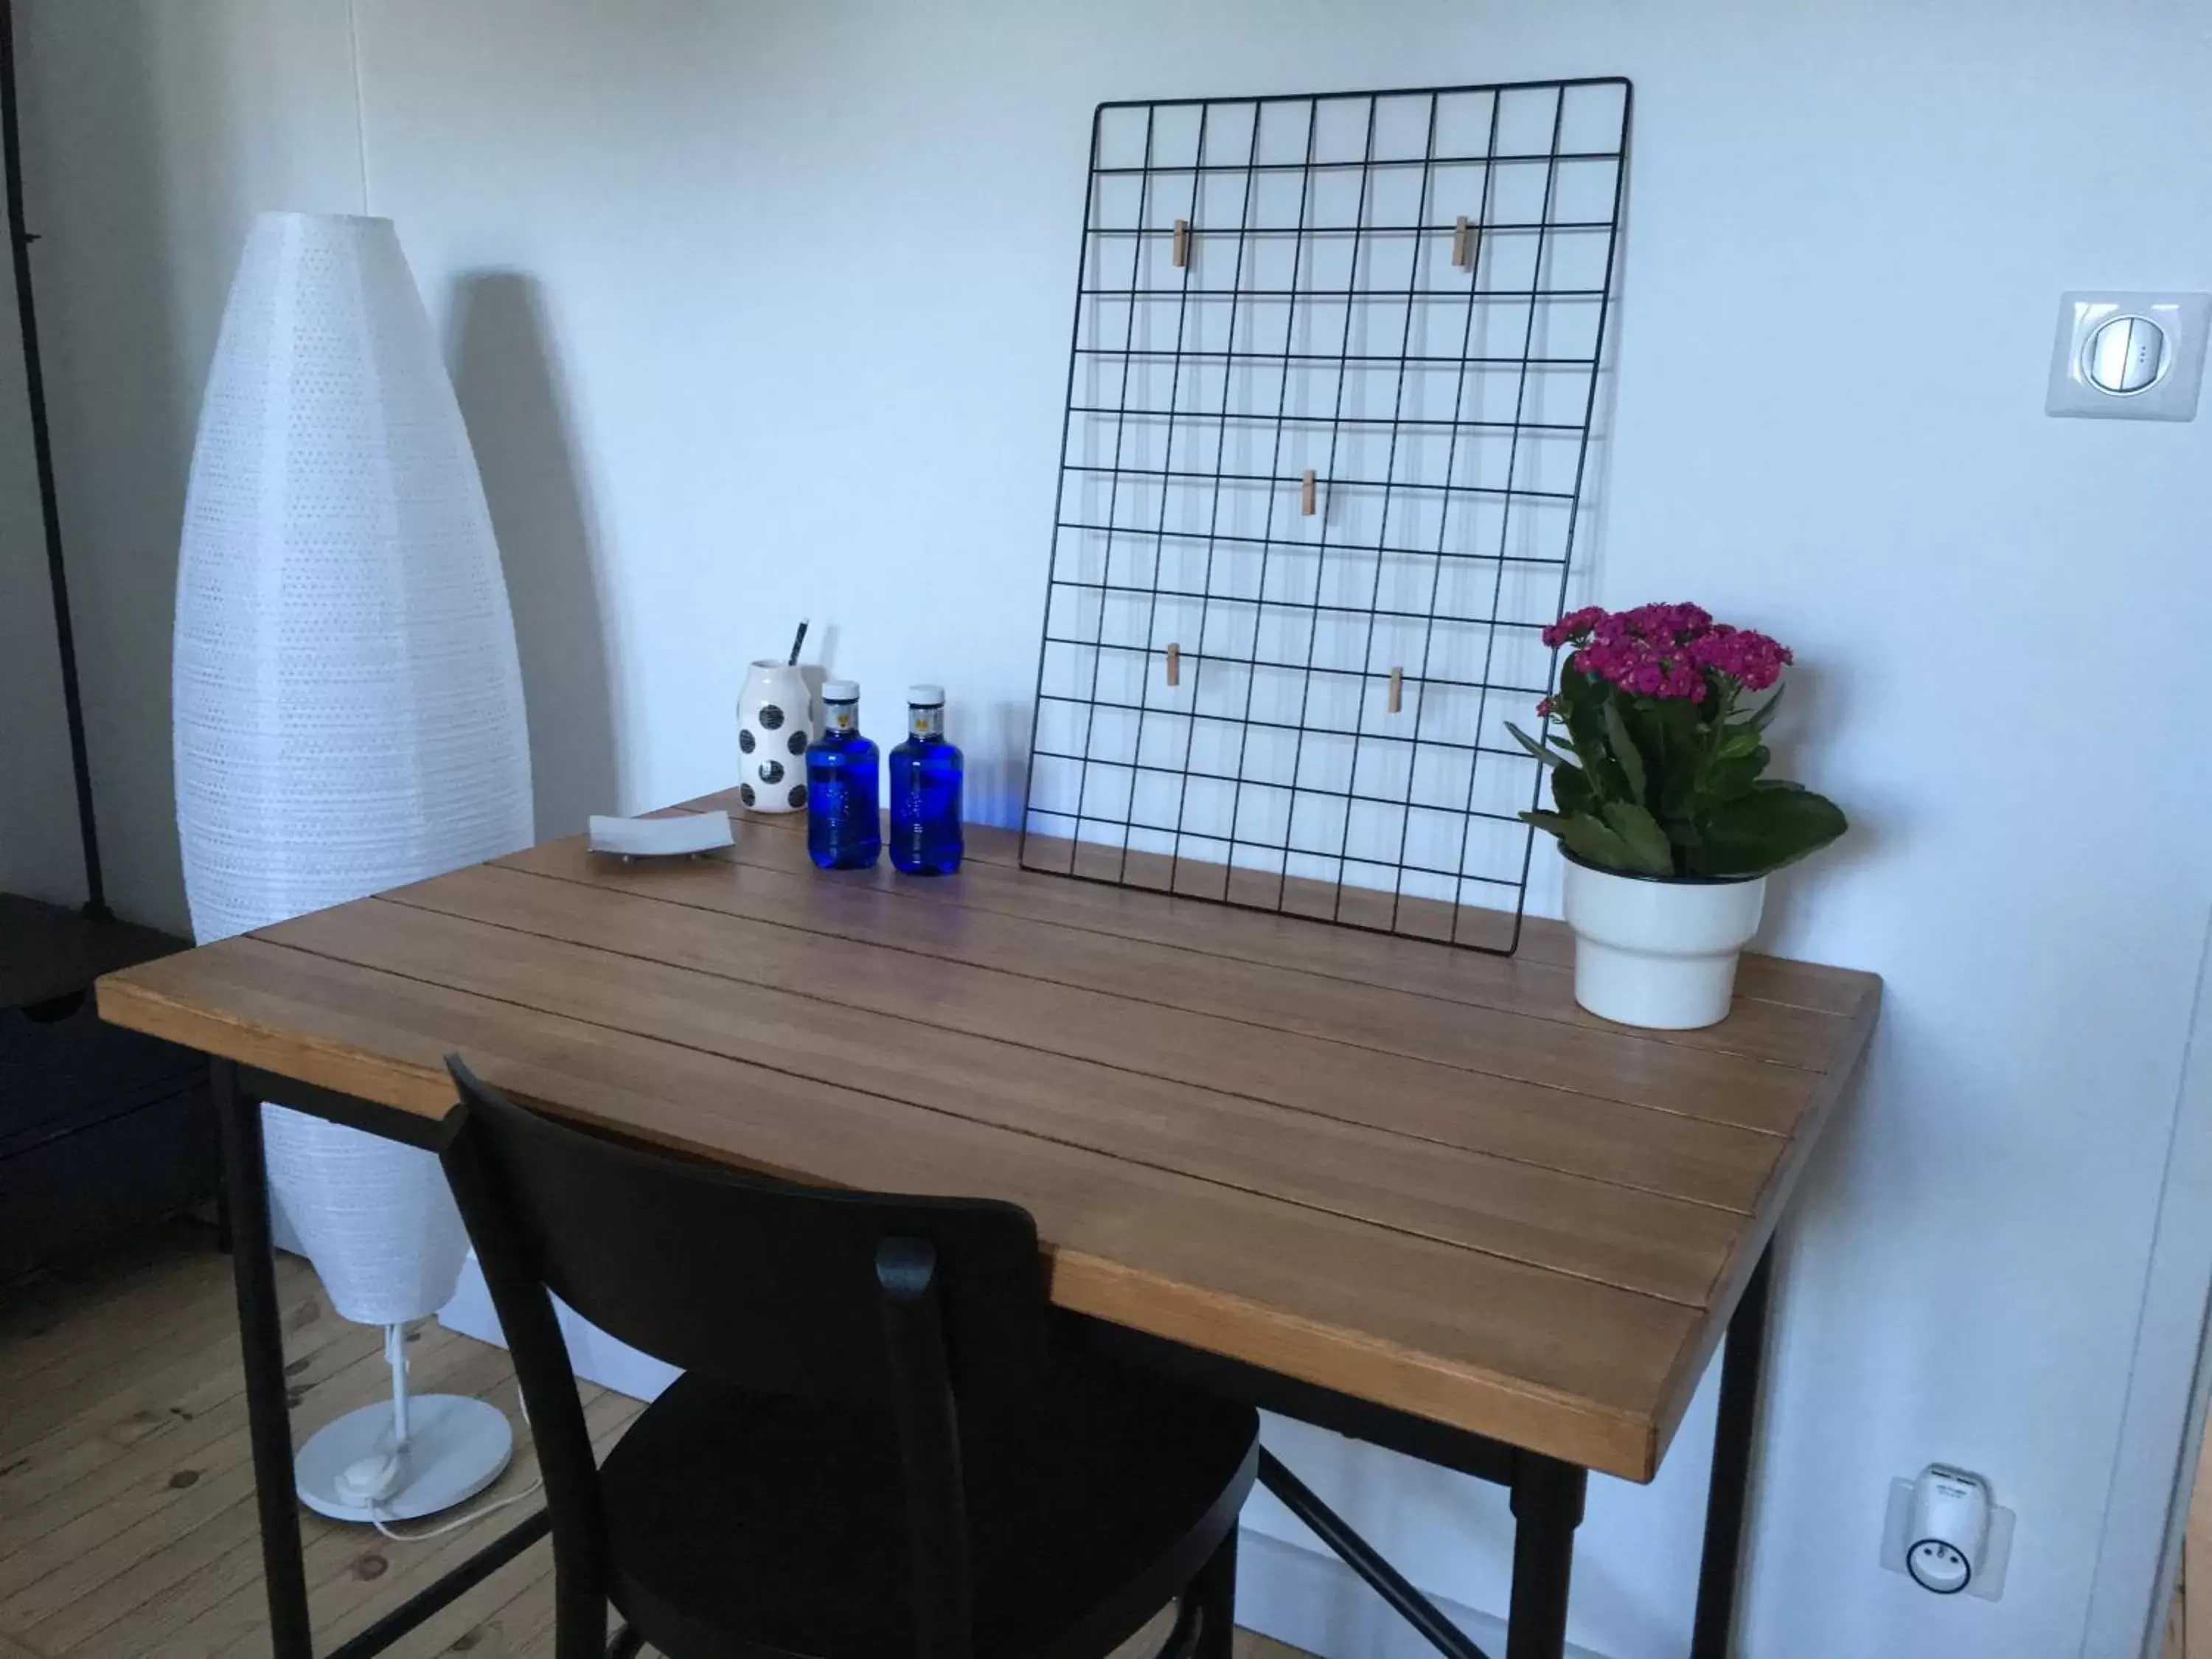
{"points": [[126, 1497], [2187, 1637]]}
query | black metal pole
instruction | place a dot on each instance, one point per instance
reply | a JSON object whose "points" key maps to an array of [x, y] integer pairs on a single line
{"points": [[261, 1339], [1359, 1555], [42, 450], [1729, 1495], [1213, 1595], [1547, 1507], [418, 1609]]}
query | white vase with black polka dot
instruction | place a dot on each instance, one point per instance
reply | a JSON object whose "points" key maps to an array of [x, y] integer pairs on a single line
{"points": [[775, 722]]}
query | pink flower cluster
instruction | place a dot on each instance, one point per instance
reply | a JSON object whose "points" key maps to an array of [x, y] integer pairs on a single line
{"points": [[1752, 658], [1665, 650]]}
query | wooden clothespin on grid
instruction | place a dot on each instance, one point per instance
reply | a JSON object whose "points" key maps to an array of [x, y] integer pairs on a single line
{"points": [[1174, 664], [1182, 252], [1464, 244]]}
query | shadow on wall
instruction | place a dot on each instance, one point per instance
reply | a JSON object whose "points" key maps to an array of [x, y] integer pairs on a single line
{"points": [[997, 788], [115, 344], [511, 396]]}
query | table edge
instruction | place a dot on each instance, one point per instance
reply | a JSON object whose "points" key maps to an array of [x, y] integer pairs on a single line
{"points": [[1773, 1202]]}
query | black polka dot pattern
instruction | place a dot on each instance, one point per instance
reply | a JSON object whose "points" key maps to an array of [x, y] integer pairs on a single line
{"points": [[796, 743], [771, 771], [798, 795], [771, 717], [745, 794], [746, 741]]}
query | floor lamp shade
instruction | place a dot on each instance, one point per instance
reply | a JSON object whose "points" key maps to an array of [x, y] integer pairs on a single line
{"points": [[348, 702]]}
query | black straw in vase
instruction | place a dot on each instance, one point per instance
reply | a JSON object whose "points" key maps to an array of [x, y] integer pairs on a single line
{"points": [[797, 639]]}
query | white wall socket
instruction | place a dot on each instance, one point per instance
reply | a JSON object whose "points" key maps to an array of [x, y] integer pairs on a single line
{"points": [[1988, 1581]]}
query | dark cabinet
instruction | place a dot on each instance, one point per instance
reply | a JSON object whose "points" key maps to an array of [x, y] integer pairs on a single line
{"points": [[103, 1132]]}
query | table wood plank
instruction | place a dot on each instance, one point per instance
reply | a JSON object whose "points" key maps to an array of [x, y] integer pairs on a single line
{"points": [[1018, 919], [1606, 1141], [1546, 951], [1450, 1333], [1415, 1175], [1638, 1241], [1759, 1029], [1164, 1038]]}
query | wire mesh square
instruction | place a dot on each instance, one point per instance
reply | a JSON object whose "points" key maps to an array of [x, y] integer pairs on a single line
{"points": [[1332, 377]]}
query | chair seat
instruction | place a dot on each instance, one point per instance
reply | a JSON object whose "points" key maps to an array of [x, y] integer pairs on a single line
{"points": [[753, 1525]]}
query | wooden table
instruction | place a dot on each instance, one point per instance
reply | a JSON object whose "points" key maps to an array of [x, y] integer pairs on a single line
{"points": [[1410, 1192]]}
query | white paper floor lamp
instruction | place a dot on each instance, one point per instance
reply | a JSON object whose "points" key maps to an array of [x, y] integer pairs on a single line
{"points": [[349, 717]]}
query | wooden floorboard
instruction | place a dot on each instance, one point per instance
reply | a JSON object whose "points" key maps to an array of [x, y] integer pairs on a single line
{"points": [[2187, 1637], [127, 1526]]}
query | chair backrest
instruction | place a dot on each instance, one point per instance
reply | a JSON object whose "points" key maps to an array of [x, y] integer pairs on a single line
{"points": [[929, 1309]]}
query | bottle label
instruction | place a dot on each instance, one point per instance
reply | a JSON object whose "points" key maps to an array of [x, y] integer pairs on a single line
{"points": [[841, 718], [925, 721]]}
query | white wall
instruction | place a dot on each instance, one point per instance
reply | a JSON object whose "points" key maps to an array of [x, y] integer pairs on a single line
{"points": [[761, 309]]}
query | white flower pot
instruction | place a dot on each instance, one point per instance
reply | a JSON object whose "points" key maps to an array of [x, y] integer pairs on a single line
{"points": [[1658, 951], [775, 723]]}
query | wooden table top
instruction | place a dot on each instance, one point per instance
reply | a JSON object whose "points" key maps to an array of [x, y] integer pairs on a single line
{"points": [[1416, 1174]]}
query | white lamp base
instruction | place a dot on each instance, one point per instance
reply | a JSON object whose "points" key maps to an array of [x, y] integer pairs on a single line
{"points": [[456, 1446]]}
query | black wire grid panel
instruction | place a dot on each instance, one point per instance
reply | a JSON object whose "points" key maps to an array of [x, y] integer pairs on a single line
{"points": [[1330, 391]]}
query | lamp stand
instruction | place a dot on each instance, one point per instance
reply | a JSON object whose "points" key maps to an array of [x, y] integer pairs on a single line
{"points": [[413, 1456]]}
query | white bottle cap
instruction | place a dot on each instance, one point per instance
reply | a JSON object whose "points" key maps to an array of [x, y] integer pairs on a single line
{"points": [[926, 697], [840, 691]]}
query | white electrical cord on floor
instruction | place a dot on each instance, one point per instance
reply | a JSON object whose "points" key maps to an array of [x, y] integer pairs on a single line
{"points": [[455, 1524], [474, 1514]]}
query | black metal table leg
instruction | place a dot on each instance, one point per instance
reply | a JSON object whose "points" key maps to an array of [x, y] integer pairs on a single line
{"points": [[1727, 1497], [1547, 1507], [261, 1337], [1362, 1557]]}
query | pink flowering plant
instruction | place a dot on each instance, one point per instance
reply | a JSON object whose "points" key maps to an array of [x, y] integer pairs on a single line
{"points": [[1662, 771]]}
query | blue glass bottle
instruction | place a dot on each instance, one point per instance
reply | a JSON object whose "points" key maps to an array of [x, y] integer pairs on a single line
{"points": [[844, 830], [926, 789]]}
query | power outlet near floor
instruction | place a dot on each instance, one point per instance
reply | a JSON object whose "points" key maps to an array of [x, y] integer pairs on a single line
{"points": [[1988, 1581]]}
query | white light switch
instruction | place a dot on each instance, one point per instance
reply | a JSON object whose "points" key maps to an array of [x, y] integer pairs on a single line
{"points": [[2129, 356], [2125, 354]]}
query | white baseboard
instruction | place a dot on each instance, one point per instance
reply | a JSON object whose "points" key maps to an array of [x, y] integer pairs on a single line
{"points": [[1310, 1599], [1314, 1602], [593, 1355]]}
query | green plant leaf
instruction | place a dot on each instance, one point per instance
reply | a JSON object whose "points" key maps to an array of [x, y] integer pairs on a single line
{"points": [[1764, 830], [1764, 712], [1542, 751], [1583, 700], [1739, 739], [1586, 838], [1640, 834], [1726, 780], [1680, 725], [1626, 754], [1573, 790], [1673, 743]]}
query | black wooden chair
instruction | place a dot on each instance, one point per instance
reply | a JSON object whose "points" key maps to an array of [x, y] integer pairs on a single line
{"points": [[877, 1449]]}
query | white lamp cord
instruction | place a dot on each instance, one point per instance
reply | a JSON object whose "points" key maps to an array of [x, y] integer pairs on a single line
{"points": [[395, 1352], [455, 1524]]}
